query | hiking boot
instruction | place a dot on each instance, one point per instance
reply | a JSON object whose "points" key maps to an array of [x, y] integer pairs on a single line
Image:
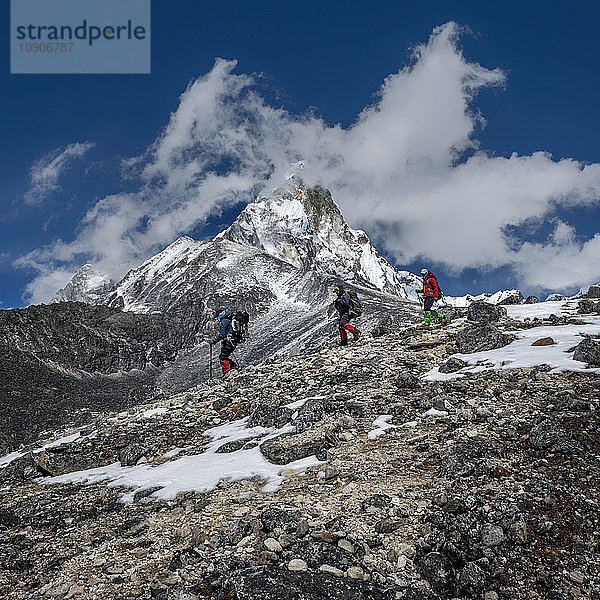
{"points": [[344, 343], [356, 333]]}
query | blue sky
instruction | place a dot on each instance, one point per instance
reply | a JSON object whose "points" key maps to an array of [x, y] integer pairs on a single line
{"points": [[536, 88]]}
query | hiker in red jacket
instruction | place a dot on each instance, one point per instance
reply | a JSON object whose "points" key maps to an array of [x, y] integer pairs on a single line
{"points": [[431, 293]]}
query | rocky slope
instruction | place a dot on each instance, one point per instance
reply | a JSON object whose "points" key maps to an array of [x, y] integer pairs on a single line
{"points": [[383, 483], [63, 362]]}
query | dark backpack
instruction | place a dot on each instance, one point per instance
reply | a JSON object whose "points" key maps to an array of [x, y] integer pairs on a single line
{"points": [[239, 324], [356, 304]]}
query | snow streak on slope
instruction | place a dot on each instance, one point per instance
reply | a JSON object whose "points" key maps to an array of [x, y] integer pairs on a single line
{"points": [[198, 472]]}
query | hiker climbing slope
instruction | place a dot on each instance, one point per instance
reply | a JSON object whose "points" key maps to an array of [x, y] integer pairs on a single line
{"points": [[230, 332], [431, 293], [348, 307]]}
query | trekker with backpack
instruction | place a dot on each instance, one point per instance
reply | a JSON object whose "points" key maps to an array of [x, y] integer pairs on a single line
{"points": [[231, 331], [431, 293], [348, 306]]}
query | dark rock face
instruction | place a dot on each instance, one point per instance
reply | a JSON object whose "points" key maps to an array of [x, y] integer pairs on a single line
{"points": [[79, 359], [593, 291], [271, 583], [484, 312], [94, 339], [516, 298], [480, 337], [588, 306], [531, 300], [438, 571], [588, 351], [452, 365]]}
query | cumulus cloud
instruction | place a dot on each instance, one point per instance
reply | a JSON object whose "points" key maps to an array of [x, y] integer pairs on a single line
{"points": [[46, 171], [409, 170]]}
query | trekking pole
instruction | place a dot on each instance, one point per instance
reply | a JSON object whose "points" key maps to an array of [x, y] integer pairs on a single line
{"points": [[210, 364]]}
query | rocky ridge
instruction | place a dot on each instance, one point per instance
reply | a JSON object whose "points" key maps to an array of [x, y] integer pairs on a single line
{"points": [[63, 362], [484, 486]]}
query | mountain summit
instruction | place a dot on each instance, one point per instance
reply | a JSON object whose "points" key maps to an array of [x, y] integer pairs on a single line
{"points": [[87, 285], [304, 227]]}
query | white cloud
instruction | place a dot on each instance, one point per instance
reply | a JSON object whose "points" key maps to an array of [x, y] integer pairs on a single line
{"points": [[409, 170], [46, 171]]}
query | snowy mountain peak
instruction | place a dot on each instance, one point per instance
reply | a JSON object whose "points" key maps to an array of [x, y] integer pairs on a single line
{"points": [[87, 285], [304, 227]]}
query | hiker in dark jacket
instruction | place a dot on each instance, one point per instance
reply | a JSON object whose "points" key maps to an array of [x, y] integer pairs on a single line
{"points": [[431, 293], [229, 344], [343, 304]]}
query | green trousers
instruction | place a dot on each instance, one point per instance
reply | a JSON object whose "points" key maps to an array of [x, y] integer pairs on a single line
{"points": [[430, 313]]}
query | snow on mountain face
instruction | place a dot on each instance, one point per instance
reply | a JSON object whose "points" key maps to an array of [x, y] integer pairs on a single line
{"points": [[87, 285], [499, 297], [161, 280], [305, 228]]}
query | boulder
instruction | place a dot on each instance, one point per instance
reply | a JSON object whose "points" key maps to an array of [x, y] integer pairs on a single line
{"points": [[457, 460], [588, 351], [376, 502], [267, 412], [287, 448], [407, 381], [492, 535], [316, 553], [547, 341], [279, 517], [516, 298], [471, 581], [21, 469], [129, 456], [551, 436], [588, 306], [452, 365], [437, 570], [484, 312], [480, 337]]}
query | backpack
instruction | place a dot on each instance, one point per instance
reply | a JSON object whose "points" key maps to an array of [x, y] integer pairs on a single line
{"points": [[239, 324], [438, 284], [356, 304]]}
